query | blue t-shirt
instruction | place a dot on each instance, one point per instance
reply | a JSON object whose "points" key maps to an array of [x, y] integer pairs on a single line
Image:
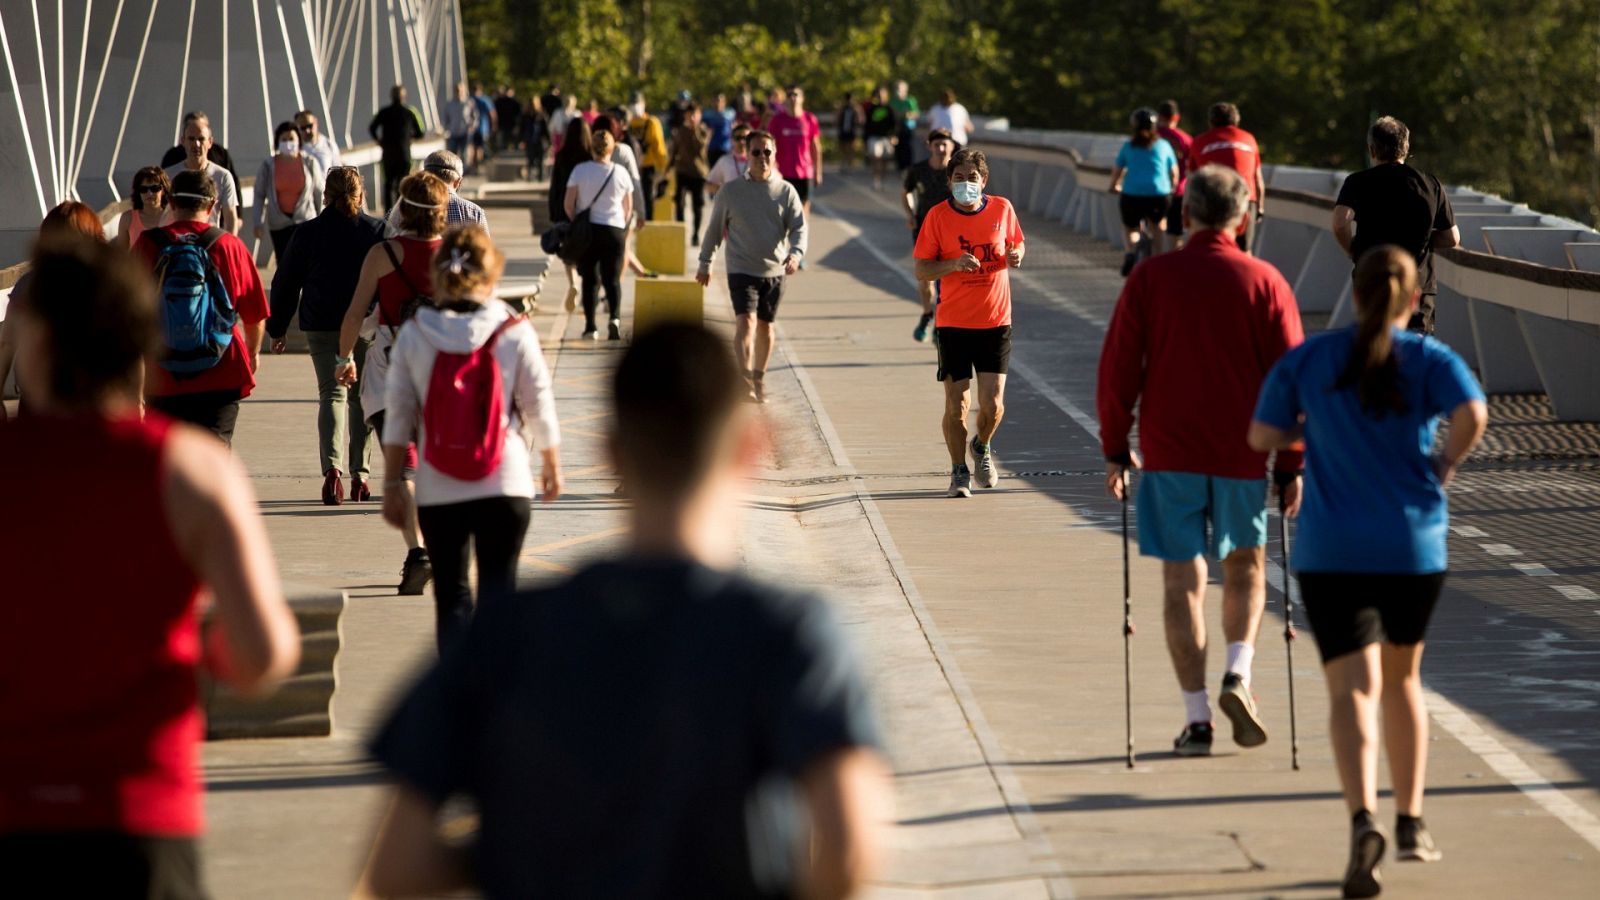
{"points": [[720, 124], [1372, 500], [1149, 169], [485, 110]]}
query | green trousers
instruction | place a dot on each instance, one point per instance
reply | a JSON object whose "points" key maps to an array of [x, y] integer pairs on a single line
{"points": [[339, 415]]}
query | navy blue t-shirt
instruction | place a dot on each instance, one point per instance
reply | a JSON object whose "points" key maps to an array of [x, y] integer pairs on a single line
{"points": [[1373, 502], [637, 731]]}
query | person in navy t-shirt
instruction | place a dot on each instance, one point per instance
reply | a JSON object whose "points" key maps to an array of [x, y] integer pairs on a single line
{"points": [[1371, 554]]}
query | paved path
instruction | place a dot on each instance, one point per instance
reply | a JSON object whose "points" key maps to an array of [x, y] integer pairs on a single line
{"points": [[991, 626]]}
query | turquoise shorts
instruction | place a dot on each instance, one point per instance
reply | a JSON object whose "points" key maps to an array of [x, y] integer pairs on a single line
{"points": [[1183, 515]]}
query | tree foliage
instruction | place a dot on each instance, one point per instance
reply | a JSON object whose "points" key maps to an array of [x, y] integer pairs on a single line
{"points": [[1500, 94]]}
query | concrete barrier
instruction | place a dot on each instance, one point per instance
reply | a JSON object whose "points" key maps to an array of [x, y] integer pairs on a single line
{"points": [[303, 705], [1519, 299], [660, 300], [660, 246]]}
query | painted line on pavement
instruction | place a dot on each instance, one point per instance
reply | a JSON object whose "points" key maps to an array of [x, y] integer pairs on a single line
{"points": [[1450, 717]]}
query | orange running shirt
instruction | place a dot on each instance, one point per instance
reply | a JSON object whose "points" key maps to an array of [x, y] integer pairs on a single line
{"points": [[980, 299]]}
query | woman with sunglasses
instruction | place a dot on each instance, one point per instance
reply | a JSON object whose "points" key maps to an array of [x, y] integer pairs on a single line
{"points": [[151, 191]]}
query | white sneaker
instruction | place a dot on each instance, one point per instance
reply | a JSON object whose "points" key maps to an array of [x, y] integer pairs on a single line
{"points": [[988, 475], [960, 482]]}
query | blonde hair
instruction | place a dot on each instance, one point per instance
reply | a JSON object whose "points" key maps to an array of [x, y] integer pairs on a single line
{"points": [[602, 142], [423, 200], [467, 261]]}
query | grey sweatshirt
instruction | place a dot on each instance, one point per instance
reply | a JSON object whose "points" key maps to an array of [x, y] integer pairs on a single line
{"points": [[765, 224]]}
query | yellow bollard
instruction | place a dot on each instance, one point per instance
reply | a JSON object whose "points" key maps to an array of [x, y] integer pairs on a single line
{"points": [[660, 300], [665, 208], [661, 247]]}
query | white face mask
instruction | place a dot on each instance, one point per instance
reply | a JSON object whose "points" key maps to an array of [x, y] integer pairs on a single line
{"points": [[966, 193], [289, 148]]}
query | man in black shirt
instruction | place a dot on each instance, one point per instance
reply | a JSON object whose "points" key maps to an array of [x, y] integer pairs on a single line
{"points": [[394, 128], [217, 154], [655, 726], [928, 185], [1392, 203], [507, 116], [879, 125]]}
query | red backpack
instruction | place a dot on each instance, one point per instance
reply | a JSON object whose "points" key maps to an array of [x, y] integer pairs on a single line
{"points": [[462, 415]]}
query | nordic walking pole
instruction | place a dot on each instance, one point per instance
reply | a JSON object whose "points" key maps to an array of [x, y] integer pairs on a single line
{"points": [[1288, 630], [1127, 623]]}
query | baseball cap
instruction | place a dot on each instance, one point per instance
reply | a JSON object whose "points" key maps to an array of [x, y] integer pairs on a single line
{"points": [[941, 134]]}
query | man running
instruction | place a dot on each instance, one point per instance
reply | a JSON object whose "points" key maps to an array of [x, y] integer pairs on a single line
{"points": [[394, 128], [799, 138], [1167, 116], [764, 222], [1191, 341], [1226, 144], [880, 126], [970, 244], [1394, 203], [906, 112], [927, 185]]}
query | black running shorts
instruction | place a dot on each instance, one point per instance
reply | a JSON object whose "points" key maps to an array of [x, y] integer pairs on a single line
{"points": [[1175, 216], [753, 292], [1142, 209], [802, 186], [965, 350], [1349, 610]]}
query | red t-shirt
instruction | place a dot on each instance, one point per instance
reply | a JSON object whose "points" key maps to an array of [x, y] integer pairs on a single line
{"points": [[239, 276], [1229, 146], [1192, 338], [1181, 143], [100, 723], [980, 299], [794, 135]]}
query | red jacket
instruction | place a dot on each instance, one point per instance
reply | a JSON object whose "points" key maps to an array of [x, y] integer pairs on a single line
{"points": [[1193, 336]]}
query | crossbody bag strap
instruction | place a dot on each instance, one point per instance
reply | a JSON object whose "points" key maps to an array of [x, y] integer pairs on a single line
{"points": [[388, 249], [603, 185]]}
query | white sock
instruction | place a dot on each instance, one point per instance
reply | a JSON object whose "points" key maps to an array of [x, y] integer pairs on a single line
{"points": [[1197, 705], [1240, 656]]}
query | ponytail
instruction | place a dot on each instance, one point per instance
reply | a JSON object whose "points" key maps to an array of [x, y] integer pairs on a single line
{"points": [[1385, 280]]}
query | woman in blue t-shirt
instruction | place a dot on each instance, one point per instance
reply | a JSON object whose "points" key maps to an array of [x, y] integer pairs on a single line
{"points": [[1371, 551], [1145, 174]]}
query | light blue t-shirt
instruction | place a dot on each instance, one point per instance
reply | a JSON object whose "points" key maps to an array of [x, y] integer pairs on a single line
{"points": [[1372, 500], [1149, 169]]}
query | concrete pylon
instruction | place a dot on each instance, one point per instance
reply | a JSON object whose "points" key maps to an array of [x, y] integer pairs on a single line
{"points": [[91, 90]]}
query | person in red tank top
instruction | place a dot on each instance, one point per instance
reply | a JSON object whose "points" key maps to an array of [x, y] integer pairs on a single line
{"points": [[99, 760], [394, 273]]}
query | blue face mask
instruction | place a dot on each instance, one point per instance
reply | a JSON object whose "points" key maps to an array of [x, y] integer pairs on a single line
{"points": [[966, 193]]}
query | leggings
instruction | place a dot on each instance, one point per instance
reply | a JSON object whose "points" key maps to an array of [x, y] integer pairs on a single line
{"points": [[602, 267], [495, 526], [694, 186]]}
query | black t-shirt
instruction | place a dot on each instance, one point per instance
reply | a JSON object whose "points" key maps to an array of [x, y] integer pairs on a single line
{"points": [[508, 110], [637, 731], [879, 121], [1396, 204], [932, 187]]}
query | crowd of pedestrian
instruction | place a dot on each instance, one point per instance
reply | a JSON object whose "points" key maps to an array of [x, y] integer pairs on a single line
{"points": [[134, 356]]}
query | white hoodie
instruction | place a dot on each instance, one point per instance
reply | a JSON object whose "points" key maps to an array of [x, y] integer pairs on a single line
{"points": [[529, 401]]}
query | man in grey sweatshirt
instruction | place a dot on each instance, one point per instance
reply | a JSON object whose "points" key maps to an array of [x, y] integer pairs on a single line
{"points": [[764, 223]]}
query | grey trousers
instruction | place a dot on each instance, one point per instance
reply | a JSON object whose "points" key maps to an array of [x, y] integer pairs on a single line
{"points": [[339, 416]]}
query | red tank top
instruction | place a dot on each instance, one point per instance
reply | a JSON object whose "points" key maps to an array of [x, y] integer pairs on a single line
{"points": [[99, 721], [418, 268]]}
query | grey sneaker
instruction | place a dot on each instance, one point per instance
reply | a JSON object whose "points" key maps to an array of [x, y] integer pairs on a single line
{"points": [[988, 475], [960, 482], [1239, 706], [1412, 842], [1361, 878]]}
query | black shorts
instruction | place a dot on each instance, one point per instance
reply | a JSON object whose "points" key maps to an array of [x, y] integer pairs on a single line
{"points": [[100, 864], [1175, 215], [965, 350], [764, 294], [802, 186], [1349, 610], [1142, 209]]}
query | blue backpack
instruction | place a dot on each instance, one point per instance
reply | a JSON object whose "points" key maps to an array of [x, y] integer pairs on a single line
{"points": [[197, 317]]}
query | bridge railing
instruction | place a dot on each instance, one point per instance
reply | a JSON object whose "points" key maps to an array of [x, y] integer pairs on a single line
{"points": [[1519, 299]]}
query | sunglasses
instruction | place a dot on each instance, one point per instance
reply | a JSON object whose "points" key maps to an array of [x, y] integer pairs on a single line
{"points": [[150, 188], [764, 154], [308, 128]]}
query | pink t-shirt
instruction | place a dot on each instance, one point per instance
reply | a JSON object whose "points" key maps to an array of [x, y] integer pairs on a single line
{"points": [[794, 135]]}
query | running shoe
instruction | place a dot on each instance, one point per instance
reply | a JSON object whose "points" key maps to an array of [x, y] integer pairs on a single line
{"points": [[960, 481], [1412, 842], [332, 488], [416, 573], [1194, 740], [589, 334], [614, 330], [1239, 706], [1361, 877], [988, 475], [920, 333], [758, 388], [360, 491]]}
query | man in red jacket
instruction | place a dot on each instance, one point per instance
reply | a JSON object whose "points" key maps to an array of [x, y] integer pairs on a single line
{"points": [[1226, 144], [210, 399], [1193, 336]]}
